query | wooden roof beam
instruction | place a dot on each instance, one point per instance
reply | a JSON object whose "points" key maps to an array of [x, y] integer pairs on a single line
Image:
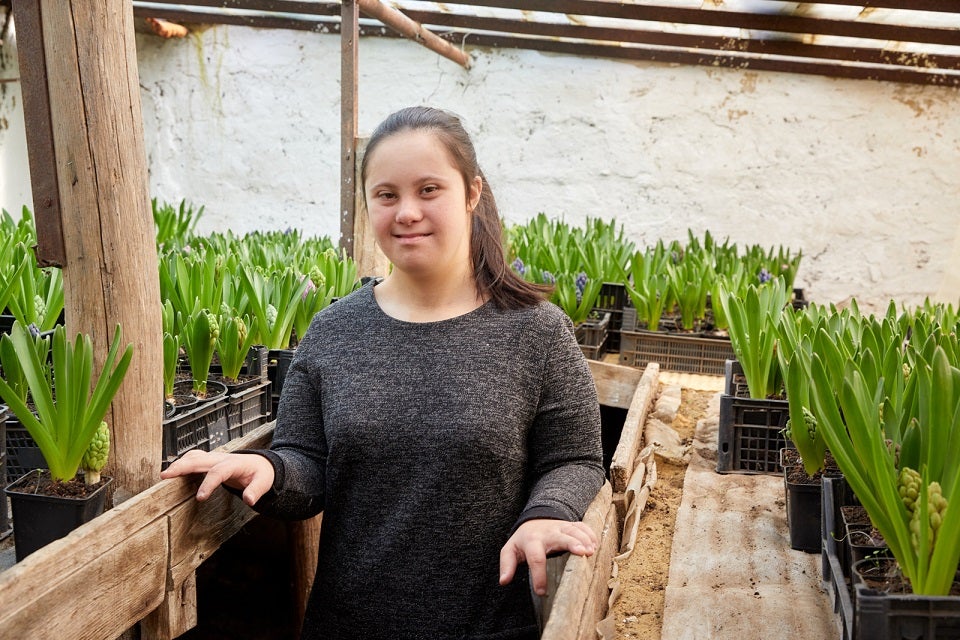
{"points": [[413, 30]]}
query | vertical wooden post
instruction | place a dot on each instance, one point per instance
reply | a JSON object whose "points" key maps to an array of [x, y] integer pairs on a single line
{"points": [[349, 38], [110, 267], [36, 111], [366, 252]]}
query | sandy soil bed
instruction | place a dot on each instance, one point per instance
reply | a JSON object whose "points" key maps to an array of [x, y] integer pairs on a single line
{"points": [[638, 612]]}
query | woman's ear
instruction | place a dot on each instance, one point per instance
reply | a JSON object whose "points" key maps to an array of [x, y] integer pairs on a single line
{"points": [[473, 197]]}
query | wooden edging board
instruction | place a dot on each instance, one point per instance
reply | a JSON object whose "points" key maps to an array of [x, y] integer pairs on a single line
{"points": [[631, 437], [581, 595]]}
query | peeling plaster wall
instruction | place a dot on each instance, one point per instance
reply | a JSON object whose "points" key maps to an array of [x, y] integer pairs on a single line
{"points": [[863, 176]]}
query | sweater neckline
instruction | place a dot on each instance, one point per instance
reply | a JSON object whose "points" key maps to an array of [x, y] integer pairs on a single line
{"points": [[469, 315]]}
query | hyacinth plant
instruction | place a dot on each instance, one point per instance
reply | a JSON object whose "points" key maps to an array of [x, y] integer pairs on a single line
{"points": [[898, 453], [39, 298], [754, 329], [576, 295], [649, 288], [199, 334], [331, 276], [273, 300], [171, 348], [174, 225], [690, 280], [68, 413], [236, 337]]}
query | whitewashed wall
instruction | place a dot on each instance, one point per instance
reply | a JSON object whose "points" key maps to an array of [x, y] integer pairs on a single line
{"points": [[864, 177]]}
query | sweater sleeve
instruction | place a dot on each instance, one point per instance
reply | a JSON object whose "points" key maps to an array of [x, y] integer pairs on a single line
{"points": [[298, 452], [565, 452]]}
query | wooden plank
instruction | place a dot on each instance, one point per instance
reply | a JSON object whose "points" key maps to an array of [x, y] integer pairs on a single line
{"points": [[176, 614], [98, 599], [631, 437], [565, 613], [616, 384], [305, 538], [197, 529], [349, 71], [595, 608], [414, 31]]}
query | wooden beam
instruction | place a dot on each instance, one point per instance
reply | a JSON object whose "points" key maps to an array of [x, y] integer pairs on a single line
{"points": [[109, 240], [714, 44], [39, 126], [631, 437], [413, 30], [616, 384], [349, 72]]}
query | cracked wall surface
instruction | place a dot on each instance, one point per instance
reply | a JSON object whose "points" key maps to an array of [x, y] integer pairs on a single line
{"points": [[863, 177]]}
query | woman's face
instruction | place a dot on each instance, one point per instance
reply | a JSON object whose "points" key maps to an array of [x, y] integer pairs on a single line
{"points": [[418, 207]]}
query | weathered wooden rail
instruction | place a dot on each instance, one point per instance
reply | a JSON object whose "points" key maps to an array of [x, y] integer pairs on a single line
{"points": [[137, 562]]}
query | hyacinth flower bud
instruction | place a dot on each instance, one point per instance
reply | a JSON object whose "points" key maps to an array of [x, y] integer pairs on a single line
{"points": [[95, 457]]}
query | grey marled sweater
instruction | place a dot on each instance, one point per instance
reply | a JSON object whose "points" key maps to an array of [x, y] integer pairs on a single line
{"points": [[425, 445]]}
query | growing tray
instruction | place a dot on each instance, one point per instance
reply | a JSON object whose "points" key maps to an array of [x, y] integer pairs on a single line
{"points": [[835, 492], [248, 410], [23, 454], [888, 616], [675, 352], [203, 428], [751, 435]]}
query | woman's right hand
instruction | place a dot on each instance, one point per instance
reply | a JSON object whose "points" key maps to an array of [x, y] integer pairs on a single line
{"points": [[251, 473]]}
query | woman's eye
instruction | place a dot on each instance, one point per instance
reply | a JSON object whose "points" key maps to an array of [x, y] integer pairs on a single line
{"points": [[384, 195], [430, 188]]}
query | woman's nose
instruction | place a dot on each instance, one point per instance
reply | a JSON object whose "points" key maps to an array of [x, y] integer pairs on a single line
{"points": [[407, 212]]}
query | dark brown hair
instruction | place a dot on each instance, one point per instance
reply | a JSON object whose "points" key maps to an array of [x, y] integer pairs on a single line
{"points": [[494, 279]]}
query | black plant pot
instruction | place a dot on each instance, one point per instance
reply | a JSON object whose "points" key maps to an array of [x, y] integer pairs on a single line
{"points": [[39, 519], [803, 513]]}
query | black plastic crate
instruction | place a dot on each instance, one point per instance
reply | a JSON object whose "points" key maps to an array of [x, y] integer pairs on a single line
{"points": [[278, 361], [889, 616], [734, 381], [595, 352], [255, 364], [751, 435], [23, 454], [204, 428], [835, 492], [675, 352], [613, 297], [592, 333], [248, 409]]}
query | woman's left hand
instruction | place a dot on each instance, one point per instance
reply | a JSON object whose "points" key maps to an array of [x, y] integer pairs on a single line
{"points": [[534, 540]]}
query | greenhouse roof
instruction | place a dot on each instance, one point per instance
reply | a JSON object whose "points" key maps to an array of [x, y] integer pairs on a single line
{"points": [[896, 40]]}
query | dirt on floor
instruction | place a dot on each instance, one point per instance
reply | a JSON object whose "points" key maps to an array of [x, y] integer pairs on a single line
{"points": [[638, 612]]}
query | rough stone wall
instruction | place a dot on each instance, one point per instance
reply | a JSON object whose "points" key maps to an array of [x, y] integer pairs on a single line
{"points": [[863, 177]]}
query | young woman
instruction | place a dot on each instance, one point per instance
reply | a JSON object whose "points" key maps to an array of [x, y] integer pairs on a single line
{"points": [[443, 419]]}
